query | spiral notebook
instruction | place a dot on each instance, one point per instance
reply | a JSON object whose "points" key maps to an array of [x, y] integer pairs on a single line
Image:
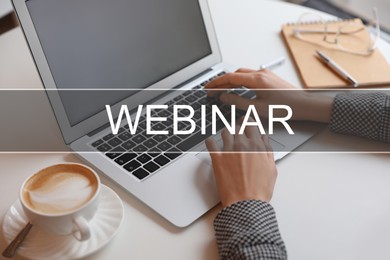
{"points": [[369, 71]]}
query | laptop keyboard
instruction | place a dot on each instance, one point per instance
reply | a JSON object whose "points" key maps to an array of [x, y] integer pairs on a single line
{"points": [[142, 155]]}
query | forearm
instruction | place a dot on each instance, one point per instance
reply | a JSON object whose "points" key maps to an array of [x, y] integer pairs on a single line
{"points": [[362, 114], [249, 230]]}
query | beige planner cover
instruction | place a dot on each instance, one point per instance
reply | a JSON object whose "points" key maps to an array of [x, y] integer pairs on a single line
{"points": [[369, 71]]}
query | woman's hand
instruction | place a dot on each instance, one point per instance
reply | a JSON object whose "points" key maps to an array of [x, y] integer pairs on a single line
{"points": [[245, 168], [272, 90]]}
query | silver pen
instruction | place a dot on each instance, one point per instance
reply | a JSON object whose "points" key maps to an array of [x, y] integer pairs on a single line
{"points": [[336, 68], [273, 64]]}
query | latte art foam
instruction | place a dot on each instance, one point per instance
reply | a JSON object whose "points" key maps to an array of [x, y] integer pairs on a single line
{"points": [[59, 192]]}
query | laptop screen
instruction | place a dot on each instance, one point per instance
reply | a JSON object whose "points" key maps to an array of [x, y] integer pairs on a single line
{"points": [[116, 44]]}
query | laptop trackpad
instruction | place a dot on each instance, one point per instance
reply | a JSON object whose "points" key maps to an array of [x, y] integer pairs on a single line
{"points": [[205, 157]]}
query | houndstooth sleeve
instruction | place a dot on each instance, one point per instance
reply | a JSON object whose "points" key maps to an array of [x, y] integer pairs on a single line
{"points": [[362, 114], [249, 230]]}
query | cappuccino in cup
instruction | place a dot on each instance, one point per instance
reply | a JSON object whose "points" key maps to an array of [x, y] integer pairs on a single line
{"points": [[60, 189], [62, 199]]}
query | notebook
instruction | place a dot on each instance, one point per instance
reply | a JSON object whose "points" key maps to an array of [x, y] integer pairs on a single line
{"points": [[369, 71]]}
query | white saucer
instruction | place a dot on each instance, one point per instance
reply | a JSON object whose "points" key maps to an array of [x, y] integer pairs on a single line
{"points": [[42, 245]]}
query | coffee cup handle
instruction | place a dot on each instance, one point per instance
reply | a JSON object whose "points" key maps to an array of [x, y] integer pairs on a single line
{"points": [[82, 232]]}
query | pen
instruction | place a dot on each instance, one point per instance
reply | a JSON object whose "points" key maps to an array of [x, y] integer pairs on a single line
{"points": [[273, 64], [336, 68]]}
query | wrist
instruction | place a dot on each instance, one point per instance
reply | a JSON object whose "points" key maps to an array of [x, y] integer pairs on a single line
{"points": [[318, 108]]}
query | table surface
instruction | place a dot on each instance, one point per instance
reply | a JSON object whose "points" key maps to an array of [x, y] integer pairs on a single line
{"points": [[329, 205]]}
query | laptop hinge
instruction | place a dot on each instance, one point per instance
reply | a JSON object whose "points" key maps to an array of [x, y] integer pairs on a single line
{"points": [[96, 131], [194, 78]]}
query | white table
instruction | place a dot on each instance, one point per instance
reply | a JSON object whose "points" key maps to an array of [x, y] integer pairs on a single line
{"points": [[329, 205]]}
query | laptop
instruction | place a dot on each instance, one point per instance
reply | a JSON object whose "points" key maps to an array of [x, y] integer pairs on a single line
{"points": [[160, 52]]}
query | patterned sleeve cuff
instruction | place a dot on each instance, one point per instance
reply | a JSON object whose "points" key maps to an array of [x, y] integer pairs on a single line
{"points": [[249, 230], [362, 114]]}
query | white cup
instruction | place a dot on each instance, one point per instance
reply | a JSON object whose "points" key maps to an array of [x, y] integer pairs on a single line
{"points": [[74, 221]]}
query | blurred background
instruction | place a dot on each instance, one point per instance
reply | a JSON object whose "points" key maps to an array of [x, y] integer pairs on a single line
{"points": [[8, 19], [353, 8], [341, 8]]}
